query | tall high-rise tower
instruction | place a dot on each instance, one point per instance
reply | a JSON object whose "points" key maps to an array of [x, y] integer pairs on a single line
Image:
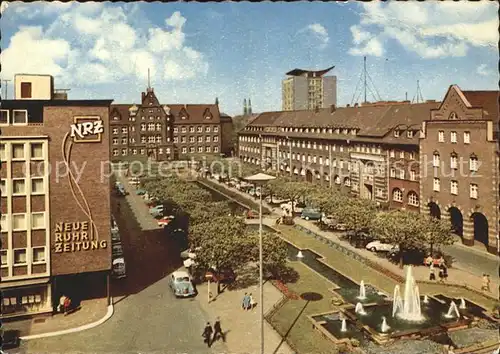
{"points": [[307, 90], [249, 109], [245, 108]]}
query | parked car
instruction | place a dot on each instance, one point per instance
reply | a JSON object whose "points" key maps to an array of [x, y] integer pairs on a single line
{"points": [[251, 214], [115, 236], [181, 284], [164, 221], [119, 268], [117, 250], [276, 201], [140, 191], [189, 253], [11, 339], [156, 209], [379, 246], [134, 181], [311, 214], [297, 207]]}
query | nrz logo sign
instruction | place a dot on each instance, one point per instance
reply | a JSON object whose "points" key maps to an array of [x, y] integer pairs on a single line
{"points": [[87, 130]]}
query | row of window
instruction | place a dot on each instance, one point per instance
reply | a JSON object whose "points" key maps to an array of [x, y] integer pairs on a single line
{"points": [[19, 221], [161, 151], [20, 151], [19, 117], [473, 161], [19, 186], [401, 174], [413, 200], [20, 256], [473, 188], [453, 137], [402, 154], [409, 133], [158, 127]]}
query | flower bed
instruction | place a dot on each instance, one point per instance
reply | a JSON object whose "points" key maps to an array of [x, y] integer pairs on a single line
{"points": [[285, 290]]}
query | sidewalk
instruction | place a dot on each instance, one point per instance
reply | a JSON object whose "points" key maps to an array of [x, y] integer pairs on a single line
{"points": [[455, 275], [91, 311], [243, 327]]}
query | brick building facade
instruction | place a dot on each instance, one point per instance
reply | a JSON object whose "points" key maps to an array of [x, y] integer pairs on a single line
{"points": [[54, 224], [382, 151], [168, 132]]}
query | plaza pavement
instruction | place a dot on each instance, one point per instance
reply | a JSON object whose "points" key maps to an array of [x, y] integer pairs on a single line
{"points": [[466, 271]]}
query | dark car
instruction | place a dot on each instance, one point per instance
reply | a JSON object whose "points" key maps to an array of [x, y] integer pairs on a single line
{"points": [[10, 339], [225, 276]]}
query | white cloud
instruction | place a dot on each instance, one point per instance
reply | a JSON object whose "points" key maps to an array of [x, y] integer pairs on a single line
{"points": [[103, 44], [431, 29], [319, 31], [371, 47], [483, 70], [3, 6]]}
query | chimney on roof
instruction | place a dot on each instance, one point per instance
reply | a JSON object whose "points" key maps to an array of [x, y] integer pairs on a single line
{"points": [[333, 108], [143, 96]]}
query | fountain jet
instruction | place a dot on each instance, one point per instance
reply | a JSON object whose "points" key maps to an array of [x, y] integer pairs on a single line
{"points": [[359, 309], [407, 308], [463, 305], [453, 311], [385, 327], [300, 255], [426, 299], [343, 328], [362, 290]]}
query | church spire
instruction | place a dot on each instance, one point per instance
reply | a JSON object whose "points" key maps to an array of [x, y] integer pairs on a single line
{"points": [[217, 100], [249, 110], [245, 108]]}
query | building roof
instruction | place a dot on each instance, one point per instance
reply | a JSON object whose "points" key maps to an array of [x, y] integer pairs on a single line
{"points": [[52, 103], [317, 73], [488, 100]]}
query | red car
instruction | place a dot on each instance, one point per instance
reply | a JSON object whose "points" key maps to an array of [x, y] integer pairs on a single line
{"points": [[164, 221], [252, 214]]}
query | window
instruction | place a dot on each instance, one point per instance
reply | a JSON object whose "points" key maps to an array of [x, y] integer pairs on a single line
{"points": [[183, 139], [397, 195], [473, 163], [183, 129], [25, 89], [393, 173], [380, 192], [191, 139], [37, 221], [392, 153], [454, 187], [200, 139], [143, 139], [2, 152], [191, 149], [115, 152], [36, 151], [347, 182], [337, 180], [207, 149], [4, 116], [199, 129], [124, 152], [151, 139], [207, 139], [151, 127], [435, 160], [18, 151], [413, 175], [216, 149], [207, 129], [437, 185], [184, 150], [401, 154], [466, 137], [134, 151], [18, 187], [411, 156], [413, 199], [453, 137], [115, 131], [143, 127], [3, 187], [3, 223], [441, 136], [216, 129], [18, 222], [115, 141], [158, 126], [37, 186], [200, 148], [216, 139], [124, 130], [124, 141], [4, 257], [409, 134], [176, 139], [396, 133], [38, 254], [19, 256], [454, 161], [402, 174], [141, 151], [176, 130], [473, 191]]}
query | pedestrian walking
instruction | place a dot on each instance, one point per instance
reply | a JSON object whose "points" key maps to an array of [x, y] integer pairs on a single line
{"points": [[445, 272], [62, 301], [432, 272], [246, 302], [486, 282], [207, 334], [218, 331], [251, 303]]}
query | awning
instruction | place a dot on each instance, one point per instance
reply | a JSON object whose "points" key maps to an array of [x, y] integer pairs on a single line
{"points": [[25, 282]]}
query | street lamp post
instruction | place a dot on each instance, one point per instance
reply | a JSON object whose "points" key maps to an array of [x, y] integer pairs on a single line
{"points": [[261, 179]]}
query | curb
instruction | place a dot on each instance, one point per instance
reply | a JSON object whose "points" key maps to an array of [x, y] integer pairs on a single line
{"points": [[106, 317]]}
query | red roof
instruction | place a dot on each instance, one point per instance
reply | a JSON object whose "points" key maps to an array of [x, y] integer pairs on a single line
{"points": [[487, 100]]}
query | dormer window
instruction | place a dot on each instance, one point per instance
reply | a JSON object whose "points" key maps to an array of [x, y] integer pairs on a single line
{"points": [[409, 133], [453, 116], [345, 131], [396, 133]]}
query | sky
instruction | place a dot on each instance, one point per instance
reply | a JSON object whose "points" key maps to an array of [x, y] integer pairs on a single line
{"points": [[199, 51]]}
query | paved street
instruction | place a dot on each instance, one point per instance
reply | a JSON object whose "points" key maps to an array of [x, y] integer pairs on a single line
{"points": [[147, 319], [473, 261]]}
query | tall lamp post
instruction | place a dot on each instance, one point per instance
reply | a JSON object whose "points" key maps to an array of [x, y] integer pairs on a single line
{"points": [[260, 179]]}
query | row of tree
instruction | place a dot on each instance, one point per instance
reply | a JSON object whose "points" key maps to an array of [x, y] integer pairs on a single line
{"points": [[408, 230], [221, 240]]}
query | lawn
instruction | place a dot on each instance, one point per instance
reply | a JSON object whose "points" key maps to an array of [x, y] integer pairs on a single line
{"points": [[301, 335]]}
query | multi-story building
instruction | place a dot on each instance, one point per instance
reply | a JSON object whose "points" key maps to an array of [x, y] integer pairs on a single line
{"points": [[55, 217], [167, 132], [396, 154], [459, 149], [308, 90]]}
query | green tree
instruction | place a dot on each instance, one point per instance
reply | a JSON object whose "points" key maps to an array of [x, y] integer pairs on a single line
{"points": [[356, 214], [274, 252], [438, 232], [403, 228]]}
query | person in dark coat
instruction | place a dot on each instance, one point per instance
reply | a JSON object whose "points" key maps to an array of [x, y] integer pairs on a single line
{"points": [[207, 334], [218, 330]]}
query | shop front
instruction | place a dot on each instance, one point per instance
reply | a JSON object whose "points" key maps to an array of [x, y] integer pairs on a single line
{"points": [[26, 297]]}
